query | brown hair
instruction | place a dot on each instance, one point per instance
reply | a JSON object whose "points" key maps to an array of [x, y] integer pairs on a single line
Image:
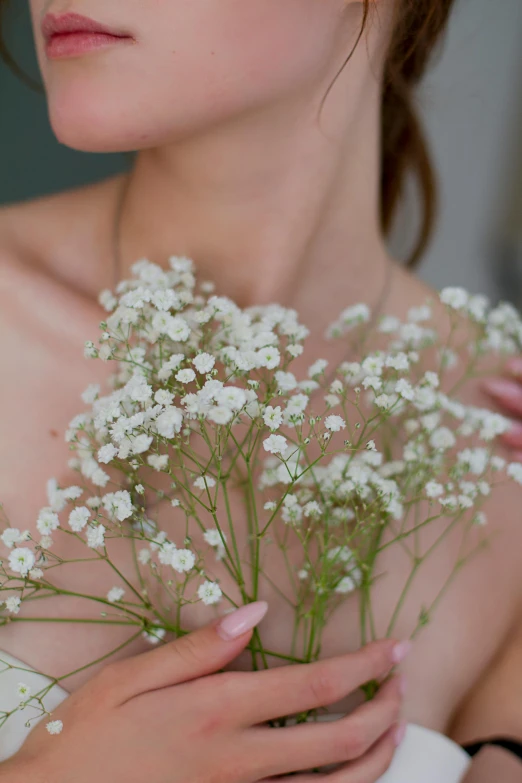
{"points": [[417, 29]]}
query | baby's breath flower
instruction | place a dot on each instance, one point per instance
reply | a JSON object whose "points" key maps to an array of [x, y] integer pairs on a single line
{"points": [[78, 518], [21, 560], [157, 461], [183, 560], [204, 363], [47, 521], [95, 536], [273, 417], [11, 536], [209, 593], [454, 297], [334, 423], [23, 691], [202, 482], [275, 444], [12, 604], [54, 727], [514, 471], [115, 594]]}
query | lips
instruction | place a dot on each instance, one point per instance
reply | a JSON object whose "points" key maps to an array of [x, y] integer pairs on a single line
{"points": [[63, 24], [72, 35]]}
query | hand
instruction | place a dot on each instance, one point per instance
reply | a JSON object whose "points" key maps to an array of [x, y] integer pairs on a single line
{"points": [[507, 392], [168, 717]]}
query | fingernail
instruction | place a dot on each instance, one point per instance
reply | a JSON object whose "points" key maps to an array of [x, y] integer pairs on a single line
{"points": [[499, 387], [241, 620], [400, 651], [399, 732]]}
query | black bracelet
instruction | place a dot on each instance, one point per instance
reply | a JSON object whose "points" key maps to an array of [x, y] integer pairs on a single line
{"points": [[512, 746]]}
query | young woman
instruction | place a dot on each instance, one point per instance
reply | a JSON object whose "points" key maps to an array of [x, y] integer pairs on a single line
{"points": [[272, 142]]}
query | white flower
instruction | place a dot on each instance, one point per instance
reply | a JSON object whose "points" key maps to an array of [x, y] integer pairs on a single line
{"points": [[268, 357], [433, 489], [203, 362], [183, 560], [346, 585], [204, 481], [95, 536], [359, 313], [270, 505], [155, 635], [23, 691], [317, 368], [454, 297], [442, 438], [286, 381], [118, 504], [169, 422], [220, 415], [78, 518], [209, 593], [185, 376], [12, 604], [178, 329], [11, 536], [163, 397], [231, 397], [107, 300], [158, 461], [144, 556], [90, 351], [405, 389], [312, 509], [36, 573], [91, 393], [303, 574], [383, 401], [21, 560], [275, 444], [115, 594], [514, 471], [54, 726], [107, 453], [213, 537], [47, 521], [273, 417], [334, 423]]}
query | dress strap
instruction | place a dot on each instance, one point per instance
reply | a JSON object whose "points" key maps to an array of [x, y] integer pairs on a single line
{"points": [[511, 745]]}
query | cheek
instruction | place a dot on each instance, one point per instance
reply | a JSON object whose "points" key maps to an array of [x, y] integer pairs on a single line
{"points": [[198, 69]]}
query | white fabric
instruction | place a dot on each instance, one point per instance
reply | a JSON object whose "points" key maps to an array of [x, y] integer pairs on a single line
{"points": [[424, 756]]}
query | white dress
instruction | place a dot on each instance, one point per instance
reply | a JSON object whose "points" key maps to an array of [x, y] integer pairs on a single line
{"points": [[424, 756]]}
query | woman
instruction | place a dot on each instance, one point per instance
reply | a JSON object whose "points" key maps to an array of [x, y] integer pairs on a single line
{"points": [[272, 144]]}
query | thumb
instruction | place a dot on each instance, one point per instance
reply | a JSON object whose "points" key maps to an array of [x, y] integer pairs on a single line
{"points": [[198, 653]]}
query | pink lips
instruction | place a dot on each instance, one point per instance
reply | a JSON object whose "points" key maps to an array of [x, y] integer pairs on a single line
{"points": [[71, 35]]}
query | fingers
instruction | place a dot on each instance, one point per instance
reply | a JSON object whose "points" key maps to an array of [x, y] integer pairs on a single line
{"points": [[368, 769], [319, 744], [288, 690], [197, 654]]}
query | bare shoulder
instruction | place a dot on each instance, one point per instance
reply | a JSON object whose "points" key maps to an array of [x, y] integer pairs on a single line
{"points": [[57, 236]]}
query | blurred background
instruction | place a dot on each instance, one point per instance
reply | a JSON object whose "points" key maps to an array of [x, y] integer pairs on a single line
{"points": [[472, 107]]}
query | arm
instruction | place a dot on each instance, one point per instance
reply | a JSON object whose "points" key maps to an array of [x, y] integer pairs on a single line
{"points": [[494, 709]]}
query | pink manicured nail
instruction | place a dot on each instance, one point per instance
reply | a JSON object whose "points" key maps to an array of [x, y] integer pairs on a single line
{"points": [[399, 733], [400, 651], [499, 387], [241, 620]]}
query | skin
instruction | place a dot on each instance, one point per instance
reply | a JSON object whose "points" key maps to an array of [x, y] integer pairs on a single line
{"points": [[221, 99]]}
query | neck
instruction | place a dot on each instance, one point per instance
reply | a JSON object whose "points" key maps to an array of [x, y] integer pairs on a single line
{"points": [[282, 208]]}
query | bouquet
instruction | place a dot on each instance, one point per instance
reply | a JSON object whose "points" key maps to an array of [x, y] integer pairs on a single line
{"points": [[203, 415]]}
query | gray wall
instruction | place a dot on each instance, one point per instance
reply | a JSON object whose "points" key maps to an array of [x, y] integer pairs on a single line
{"points": [[472, 104]]}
